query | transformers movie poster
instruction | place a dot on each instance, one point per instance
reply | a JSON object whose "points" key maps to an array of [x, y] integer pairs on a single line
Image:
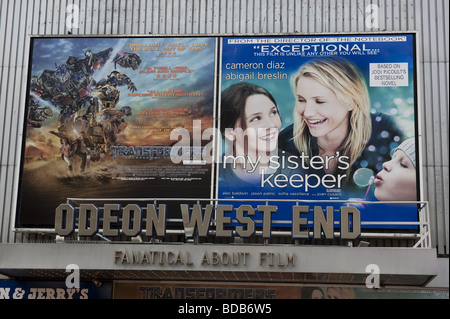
{"points": [[103, 116]]}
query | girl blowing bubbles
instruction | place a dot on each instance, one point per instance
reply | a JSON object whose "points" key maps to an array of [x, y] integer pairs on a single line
{"points": [[397, 180]]}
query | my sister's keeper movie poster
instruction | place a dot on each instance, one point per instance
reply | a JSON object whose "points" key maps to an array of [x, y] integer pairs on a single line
{"points": [[329, 118]]}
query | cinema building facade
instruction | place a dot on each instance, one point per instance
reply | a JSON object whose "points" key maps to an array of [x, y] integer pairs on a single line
{"points": [[157, 150]]}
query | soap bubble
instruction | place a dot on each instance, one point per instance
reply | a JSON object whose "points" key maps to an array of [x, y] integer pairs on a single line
{"points": [[362, 176]]}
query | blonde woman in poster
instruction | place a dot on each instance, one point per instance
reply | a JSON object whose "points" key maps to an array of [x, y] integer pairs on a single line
{"points": [[332, 120]]}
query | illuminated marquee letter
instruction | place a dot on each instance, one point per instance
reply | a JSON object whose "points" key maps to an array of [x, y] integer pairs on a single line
{"points": [[245, 220], [65, 220], [88, 220], [132, 220], [298, 221], [320, 222], [196, 220], [350, 230], [267, 219], [156, 221], [222, 220], [109, 219]]}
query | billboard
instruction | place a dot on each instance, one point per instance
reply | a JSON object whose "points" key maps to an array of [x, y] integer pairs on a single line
{"points": [[102, 115], [290, 130], [320, 118]]}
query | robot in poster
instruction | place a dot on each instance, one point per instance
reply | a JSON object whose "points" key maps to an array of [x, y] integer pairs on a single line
{"points": [[84, 104]]}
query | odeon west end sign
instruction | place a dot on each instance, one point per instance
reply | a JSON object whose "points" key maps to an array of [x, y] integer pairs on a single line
{"points": [[198, 220]]}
